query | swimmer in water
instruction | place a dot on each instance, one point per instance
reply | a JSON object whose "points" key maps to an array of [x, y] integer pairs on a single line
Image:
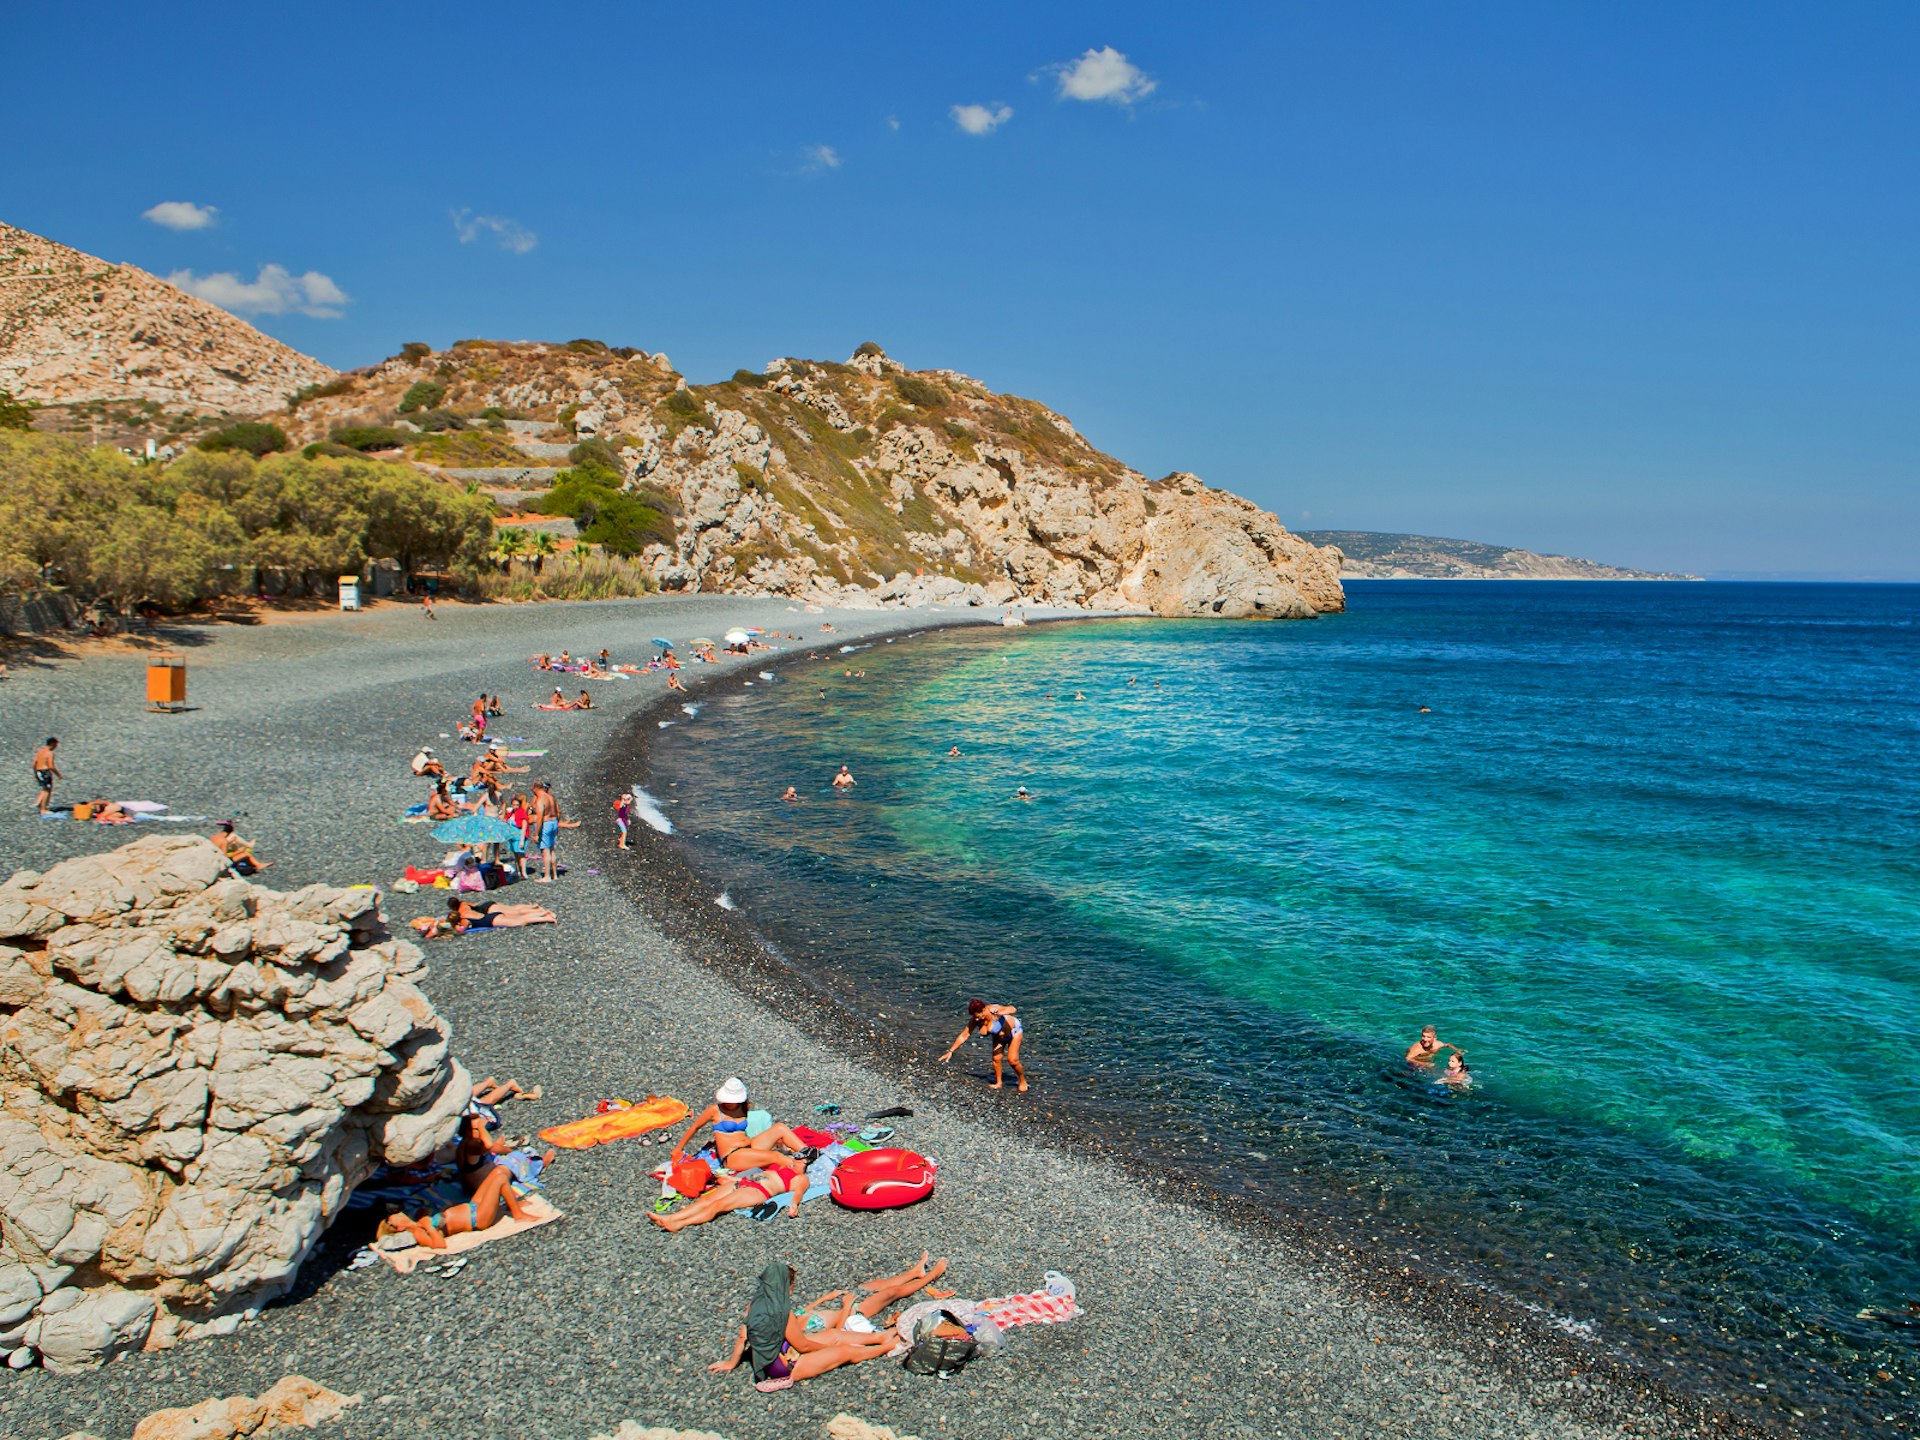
{"points": [[1424, 1050], [1023, 793], [844, 780], [1426, 709], [1079, 694], [954, 753], [1456, 1073], [791, 796]]}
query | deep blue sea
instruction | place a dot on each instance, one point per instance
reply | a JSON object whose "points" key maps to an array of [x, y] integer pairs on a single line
{"points": [[1650, 853]]}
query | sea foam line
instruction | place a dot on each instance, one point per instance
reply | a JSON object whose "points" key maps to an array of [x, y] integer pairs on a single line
{"points": [[648, 809]]}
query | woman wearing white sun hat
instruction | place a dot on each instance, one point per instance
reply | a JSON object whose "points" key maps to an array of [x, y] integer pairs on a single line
{"points": [[774, 1148]]}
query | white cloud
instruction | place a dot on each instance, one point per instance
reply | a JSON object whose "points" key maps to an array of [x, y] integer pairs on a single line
{"points": [[981, 119], [274, 291], [1104, 74], [893, 122], [817, 159], [510, 234], [180, 215]]}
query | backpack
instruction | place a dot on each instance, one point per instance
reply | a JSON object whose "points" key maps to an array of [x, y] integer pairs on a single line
{"points": [[941, 1355]]}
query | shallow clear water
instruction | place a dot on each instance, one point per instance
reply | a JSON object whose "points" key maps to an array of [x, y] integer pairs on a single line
{"points": [[1650, 856]]}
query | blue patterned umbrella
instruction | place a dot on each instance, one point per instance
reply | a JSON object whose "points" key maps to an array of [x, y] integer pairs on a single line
{"points": [[477, 830]]}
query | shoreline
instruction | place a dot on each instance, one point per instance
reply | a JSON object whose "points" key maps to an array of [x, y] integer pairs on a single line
{"points": [[1193, 1318], [672, 893]]}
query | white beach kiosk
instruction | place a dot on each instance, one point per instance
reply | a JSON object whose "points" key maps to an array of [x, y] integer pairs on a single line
{"points": [[349, 592]]}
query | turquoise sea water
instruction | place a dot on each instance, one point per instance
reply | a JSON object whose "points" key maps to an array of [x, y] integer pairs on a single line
{"points": [[1650, 855]]}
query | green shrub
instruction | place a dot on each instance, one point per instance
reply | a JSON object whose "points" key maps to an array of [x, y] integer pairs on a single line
{"points": [[862, 435], [422, 395], [915, 391], [683, 403], [498, 412], [325, 449], [626, 352], [367, 437], [749, 377], [415, 350], [15, 414], [869, 347], [256, 437], [597, 455], [585, 347], [567, 412], [339, 385], [436, 420]]}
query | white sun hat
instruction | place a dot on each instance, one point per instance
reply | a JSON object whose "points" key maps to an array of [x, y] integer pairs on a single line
{"points": [[734, 1092]]}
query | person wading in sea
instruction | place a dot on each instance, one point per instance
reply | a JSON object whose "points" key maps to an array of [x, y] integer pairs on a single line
{"points": [[999, 1023]]}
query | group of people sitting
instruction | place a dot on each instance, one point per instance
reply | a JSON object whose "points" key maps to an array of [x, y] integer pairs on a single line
{"points": [[487, 1168], [748, 1171]]}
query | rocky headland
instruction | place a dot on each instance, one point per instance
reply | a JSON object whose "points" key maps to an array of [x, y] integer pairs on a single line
{"points": [[195, 1072], [1375, 555]]}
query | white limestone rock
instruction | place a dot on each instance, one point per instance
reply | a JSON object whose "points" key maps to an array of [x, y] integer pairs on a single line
{"points": [[194, 1074]]}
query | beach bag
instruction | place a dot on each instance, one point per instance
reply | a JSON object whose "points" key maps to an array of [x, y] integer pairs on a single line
{"points": [[690, 1177], [82, 810], [941, 1355]]}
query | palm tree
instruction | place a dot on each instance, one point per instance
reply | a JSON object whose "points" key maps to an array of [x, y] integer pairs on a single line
{"points": [[510, 542], [543, 545]]}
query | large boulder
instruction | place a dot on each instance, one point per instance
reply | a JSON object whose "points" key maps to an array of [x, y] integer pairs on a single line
{"points": [[195, 1072]]}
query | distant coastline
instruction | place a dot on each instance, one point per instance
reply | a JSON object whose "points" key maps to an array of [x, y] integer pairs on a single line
{"points": [[1378, 555]]}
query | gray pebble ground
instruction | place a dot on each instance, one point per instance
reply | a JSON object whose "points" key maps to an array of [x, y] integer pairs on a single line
{"points": [[1193, 1326]]}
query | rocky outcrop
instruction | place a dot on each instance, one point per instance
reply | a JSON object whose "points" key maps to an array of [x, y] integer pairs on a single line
{"points": [[195, 1072], [294, 1403], [75, 328]]}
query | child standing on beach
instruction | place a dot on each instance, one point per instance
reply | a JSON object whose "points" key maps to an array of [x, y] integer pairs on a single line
{"points": [[623, 815]]}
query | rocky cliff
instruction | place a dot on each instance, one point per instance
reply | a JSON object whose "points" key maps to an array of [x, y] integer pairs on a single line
{"points": [[74, 328], [1373, 555], [194, 1074], [851, 483]]}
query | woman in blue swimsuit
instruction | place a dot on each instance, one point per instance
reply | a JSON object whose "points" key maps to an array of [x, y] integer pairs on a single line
{"points": [[728, 1117], [495, 1194], [1001, 1025]]}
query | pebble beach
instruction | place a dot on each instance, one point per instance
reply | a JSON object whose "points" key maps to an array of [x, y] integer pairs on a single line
{"points": [[1197, 1321]]}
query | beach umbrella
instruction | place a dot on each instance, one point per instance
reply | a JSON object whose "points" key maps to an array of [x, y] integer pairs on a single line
{"points": [[737, 637], [707, 643], [663, 644], [477, 830]]}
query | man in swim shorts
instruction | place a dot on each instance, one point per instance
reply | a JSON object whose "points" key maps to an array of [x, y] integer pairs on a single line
{"points": [[45, 772], [844, 780], [1427, 1048], [548, 823]]}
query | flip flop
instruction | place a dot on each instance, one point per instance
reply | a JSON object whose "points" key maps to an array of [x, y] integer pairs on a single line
{"points": [[830, 1108], [765, 1210]]}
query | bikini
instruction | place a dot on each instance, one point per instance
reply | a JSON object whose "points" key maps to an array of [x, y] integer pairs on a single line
{"points": [[787, 1176]]}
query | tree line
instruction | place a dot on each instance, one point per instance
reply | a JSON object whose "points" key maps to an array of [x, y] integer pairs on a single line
{"points": [[211, 522]]}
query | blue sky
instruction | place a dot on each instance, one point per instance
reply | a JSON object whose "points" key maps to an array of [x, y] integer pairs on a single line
{"points": [[1634, 282]]}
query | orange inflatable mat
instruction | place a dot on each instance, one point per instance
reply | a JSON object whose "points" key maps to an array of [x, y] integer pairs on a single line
{"points": [[653, 1113]]}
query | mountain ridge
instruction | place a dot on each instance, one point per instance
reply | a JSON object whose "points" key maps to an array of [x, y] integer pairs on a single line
{"points": [[75, 329]]}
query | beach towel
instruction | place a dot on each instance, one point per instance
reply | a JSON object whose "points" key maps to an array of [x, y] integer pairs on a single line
{"points": [[525, 754], [1039, 1307], [419, 809], [539, 1213], [653, 1113]]}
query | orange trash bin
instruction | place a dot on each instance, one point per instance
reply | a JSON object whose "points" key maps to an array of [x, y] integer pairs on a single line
{"points": [[167, 682]]}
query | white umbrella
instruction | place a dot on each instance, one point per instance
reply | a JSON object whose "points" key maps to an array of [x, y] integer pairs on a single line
{"points": [[737, 637]]}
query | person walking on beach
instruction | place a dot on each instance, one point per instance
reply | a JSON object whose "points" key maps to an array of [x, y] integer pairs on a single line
{"points": [[1004, 1028], [623, 815], [426, 605], [844, 780], [545, 814], [45, 772]]}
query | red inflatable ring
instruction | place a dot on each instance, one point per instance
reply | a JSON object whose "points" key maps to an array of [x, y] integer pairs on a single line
{"points": [[882, 1179]]}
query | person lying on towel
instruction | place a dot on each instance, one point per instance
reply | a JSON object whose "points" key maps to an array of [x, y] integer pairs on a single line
{"points": [[495, 1194], [786, 1345]]}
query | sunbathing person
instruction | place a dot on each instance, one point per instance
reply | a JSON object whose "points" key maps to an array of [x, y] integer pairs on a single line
{"points": [[585, 702], [822, 1322], [494, 1195], [673, 683], [441, 805], [493, 706], [476, 1154], [462, 917], [728, 1116], [238, 852], [425, 764], [747, 1192], [778, 1355], [112, 812]]}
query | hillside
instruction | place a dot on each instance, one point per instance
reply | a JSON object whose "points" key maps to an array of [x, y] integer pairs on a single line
{"points": [[850, 482], [77, 331], [1372, 555]]}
